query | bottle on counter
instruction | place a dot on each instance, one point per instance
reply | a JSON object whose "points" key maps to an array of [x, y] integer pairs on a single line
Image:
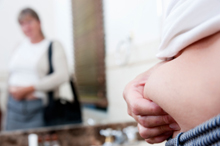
{"points": [[40, 141], [32, 140], [47, 140], [55, 141], [108, 137]]}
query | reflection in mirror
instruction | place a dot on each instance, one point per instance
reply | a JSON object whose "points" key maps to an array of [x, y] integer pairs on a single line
{"points": [[39, 88], [87, 37]]}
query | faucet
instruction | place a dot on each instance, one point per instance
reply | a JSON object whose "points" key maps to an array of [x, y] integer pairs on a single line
{"points": [[120, 137], [131, 133], [108, 137], [126, 137]]}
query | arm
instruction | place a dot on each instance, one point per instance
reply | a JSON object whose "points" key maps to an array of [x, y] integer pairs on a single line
{"points": [[154, 124], [49, 82], [60, 74]]}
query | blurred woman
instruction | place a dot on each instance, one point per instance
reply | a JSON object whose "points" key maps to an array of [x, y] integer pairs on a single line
{"points": [[29, 81]]}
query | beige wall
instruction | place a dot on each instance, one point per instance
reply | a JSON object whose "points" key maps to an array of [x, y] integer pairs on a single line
{"points": [[140, 20]]}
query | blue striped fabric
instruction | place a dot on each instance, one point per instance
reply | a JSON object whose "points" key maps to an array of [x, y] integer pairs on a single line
{"points": [[205, 134]]}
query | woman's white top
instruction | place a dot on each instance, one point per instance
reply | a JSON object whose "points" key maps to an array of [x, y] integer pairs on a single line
{"points": [[186, 22], [29, 66]]}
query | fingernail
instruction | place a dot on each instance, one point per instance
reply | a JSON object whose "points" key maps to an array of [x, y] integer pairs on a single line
{"points": [[174, 126]]}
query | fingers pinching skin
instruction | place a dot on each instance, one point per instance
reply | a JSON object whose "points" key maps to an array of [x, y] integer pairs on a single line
{"points": [[147, 133], [153, 121], [137, 104], [141, 106]]}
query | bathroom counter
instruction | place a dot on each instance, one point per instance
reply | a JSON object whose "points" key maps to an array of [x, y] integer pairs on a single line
{"points": [[68, 135]]}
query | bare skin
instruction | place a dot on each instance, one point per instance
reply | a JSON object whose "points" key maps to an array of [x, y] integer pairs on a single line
{"points": [[21, 93], [187, 88]]}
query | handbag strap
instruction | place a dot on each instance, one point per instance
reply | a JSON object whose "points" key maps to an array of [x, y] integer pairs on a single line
{"points": [[51, 70], [50, 58], [50, 93]]}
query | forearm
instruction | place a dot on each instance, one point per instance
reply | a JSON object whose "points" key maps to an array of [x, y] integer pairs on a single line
{"points": [[60, 74], [51, 82]]}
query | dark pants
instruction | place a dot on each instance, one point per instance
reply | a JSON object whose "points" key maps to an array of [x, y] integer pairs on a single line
{"points": [[25, 114]]}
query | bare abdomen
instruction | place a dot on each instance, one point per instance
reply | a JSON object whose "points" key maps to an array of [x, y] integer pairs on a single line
{"points": [[188, 87]]}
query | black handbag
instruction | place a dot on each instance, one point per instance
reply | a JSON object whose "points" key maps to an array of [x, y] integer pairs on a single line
{"points": [[60, 111]]}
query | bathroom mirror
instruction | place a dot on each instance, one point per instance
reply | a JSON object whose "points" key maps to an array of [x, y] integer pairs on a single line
{"points": [[106, 43], [75, 27]]}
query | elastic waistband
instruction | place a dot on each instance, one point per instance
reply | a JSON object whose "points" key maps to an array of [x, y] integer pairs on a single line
{"points": [[205, 134]]}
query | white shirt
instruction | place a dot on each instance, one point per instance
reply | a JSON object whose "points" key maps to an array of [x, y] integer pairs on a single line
{"points": [[29, 67], [23, 66], [186, 22]]}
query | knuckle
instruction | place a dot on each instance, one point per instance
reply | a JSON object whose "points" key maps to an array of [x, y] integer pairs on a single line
{"points": [[129, 112], [154, 109], [126, 90], [124, 94], [144, 135], [134, 108], [141, 121], [144, 121], [147, 124], [166, 119], [128, 86], [144, 132]]}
